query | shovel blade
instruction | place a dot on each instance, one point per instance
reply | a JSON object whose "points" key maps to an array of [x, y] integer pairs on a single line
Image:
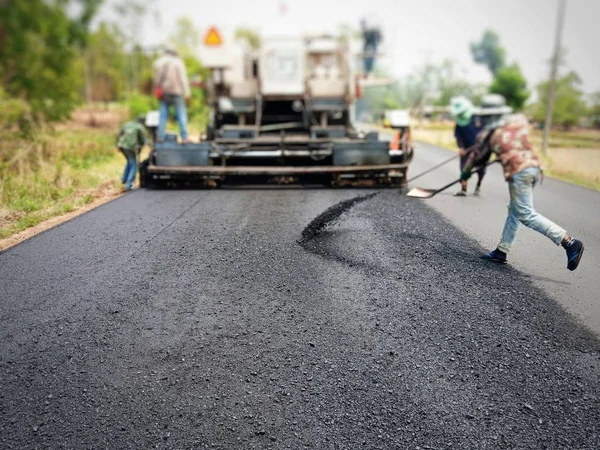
{"points": [[420, 193]]}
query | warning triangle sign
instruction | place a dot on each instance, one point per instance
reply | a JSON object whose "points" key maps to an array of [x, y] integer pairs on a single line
{"points": [[213, 37]]}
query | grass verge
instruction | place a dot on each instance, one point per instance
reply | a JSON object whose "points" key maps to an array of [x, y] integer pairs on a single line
{"points": [[53, 172]]}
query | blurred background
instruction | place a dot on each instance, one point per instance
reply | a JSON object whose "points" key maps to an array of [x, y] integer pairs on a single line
{"points": [[73, 70]]}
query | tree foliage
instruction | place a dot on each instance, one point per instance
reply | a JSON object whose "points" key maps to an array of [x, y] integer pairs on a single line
{"points": [[430, 84], [512, 85], [185, 38], [80, 27], [250, 35], [38, 53], [106, 56], [489, 52], [594, 109], [569, 102]]}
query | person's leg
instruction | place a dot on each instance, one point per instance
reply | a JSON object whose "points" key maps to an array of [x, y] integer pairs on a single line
{"points": [[126, 170], [511, 226], [521, 210], [529, 217], [132, 169], [524, 182], [163, 111], [480, 175], [182, 120], [509, 233]]}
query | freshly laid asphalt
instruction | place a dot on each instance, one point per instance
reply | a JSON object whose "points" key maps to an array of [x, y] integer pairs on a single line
{"points": [[574, 208], [284, 319]]}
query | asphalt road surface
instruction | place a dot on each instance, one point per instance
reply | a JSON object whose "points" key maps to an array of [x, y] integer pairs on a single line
{"points": [[299, 318], [574, 208]]}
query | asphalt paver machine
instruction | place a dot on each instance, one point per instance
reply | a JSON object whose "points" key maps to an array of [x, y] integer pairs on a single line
{"points": [[282, 112]]}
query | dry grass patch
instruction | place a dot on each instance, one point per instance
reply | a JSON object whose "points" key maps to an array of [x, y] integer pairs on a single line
{"points": [[54, 171]]}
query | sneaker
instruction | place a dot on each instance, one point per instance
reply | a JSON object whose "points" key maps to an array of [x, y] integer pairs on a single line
{"points": [[495, 256], [460, 193], [477, 191], [574, 248]]}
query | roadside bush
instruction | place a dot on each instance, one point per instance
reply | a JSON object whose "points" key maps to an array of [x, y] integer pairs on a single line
{"points": [[15, 113], [140, 104]]}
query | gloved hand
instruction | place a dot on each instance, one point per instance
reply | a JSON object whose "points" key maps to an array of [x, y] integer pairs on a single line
{"points": [[465, 175]]}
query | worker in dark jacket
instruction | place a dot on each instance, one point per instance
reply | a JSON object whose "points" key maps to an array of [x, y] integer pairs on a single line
{"points": [[465, 133], [508, 138], [131, 138]]}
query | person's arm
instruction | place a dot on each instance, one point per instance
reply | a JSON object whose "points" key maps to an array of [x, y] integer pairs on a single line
{"points": [[478, 155]]}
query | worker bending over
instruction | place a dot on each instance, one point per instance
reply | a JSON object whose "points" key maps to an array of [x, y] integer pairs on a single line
{"points": [[130, 140]]}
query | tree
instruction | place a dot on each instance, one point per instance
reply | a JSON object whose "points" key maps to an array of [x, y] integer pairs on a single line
{"points": [[250, 35], [569, 103], [133, 13], [106, 53], [38, 53], [434, 83], [512, 85], [80, 27], [594, 109], [489, 52], [431, 84], [185, 38], [449, 83]]}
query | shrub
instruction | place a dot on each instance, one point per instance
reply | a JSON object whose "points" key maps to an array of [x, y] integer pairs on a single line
{"points": [[140, 104]]}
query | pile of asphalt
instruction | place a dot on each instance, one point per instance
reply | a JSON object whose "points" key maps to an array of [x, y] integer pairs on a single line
{"points": [[209, 321], [328, 217]]}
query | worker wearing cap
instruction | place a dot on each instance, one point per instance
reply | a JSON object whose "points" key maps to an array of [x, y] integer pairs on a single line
{"points": [[508, 138], [172, 88], [131, 138], [465, 133]]}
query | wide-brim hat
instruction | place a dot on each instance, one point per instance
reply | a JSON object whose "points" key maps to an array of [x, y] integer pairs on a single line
{"points": [[462, 110]]}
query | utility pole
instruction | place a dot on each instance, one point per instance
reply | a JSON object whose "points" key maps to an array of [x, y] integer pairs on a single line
{"points": [[553, 72]]}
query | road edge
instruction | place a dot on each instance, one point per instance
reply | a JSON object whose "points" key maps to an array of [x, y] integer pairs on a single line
{"points": [[53, 222]]}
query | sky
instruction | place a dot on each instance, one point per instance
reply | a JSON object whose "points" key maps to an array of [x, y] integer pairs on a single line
{"points": [[415, 31]]}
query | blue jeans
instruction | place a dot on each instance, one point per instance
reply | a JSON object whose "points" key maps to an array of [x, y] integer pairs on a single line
{"points": [[520, 210], [130, 168], [180, 114]]}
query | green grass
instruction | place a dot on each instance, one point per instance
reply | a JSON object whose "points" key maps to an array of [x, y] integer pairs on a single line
{"points": [[52, 173]]}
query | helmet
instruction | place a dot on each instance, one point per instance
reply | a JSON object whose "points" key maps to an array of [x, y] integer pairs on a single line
{"points": [[141, 119], [462, 110]]}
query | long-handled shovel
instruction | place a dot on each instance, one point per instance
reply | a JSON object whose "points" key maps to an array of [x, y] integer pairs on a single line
{"points": [[428, 193], [433, 168]]}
